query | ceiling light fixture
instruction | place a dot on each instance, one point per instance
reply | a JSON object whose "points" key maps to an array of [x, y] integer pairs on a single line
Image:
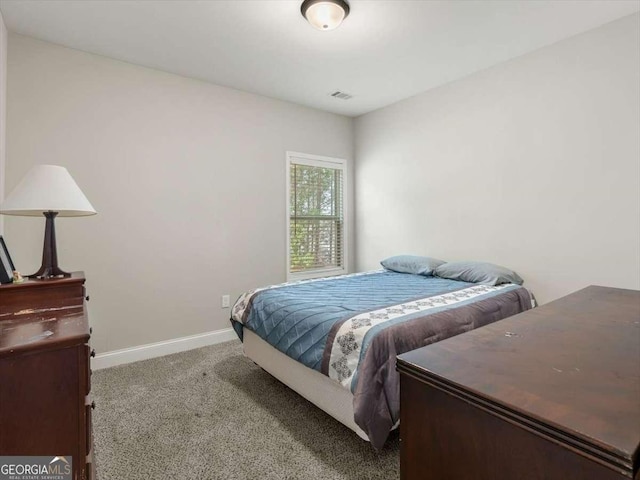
{"points": [[325, 14]]}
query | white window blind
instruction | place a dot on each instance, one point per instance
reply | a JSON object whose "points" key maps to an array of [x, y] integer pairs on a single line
{"points": [[316, 216]]}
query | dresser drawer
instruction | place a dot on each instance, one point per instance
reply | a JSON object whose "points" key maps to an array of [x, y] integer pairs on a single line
{"points": [[42, 294]]}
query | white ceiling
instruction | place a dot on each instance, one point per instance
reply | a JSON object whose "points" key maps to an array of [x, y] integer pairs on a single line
{"points": [[386, 50]]}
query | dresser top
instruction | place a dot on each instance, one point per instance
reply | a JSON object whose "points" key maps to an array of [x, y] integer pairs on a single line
{"points": [[37, 284], [570, 369], [43, 329]]}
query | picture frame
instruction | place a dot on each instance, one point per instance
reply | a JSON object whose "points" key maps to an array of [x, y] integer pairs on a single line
{"points": [[6, 264]]}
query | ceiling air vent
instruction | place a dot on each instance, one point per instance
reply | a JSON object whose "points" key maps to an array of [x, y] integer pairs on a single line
{"points": [[341, 95]]}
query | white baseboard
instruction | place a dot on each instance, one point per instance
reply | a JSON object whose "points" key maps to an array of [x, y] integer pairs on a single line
{"points": [[159, 349]]}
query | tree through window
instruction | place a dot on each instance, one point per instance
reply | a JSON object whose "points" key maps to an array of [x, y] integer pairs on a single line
{"points": [[316, 216]]}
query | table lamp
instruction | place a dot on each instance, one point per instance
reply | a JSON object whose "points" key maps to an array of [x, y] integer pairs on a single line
{"points": [[48, 190]]}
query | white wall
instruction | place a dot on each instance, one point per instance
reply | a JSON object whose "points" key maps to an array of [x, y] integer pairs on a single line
{"points": [[3, 109], [188, 179], [533, 164]]}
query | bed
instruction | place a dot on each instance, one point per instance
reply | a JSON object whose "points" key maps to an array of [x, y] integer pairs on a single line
{"points": [[335, 340]]}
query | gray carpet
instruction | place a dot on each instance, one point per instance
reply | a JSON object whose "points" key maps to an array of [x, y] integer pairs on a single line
{"points": [[211, 413]]}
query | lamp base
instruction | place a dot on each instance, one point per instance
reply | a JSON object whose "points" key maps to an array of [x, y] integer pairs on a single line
{"points": [[45, 274], [49, 268]]}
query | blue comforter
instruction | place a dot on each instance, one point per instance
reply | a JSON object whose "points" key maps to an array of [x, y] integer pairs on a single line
{"points": [[296, 319]]}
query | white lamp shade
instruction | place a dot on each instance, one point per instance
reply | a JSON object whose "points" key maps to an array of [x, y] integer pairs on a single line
{"points": [[47, 188]]}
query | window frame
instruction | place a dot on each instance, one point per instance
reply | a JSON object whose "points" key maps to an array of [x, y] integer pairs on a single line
{"points": [[326, 162]]}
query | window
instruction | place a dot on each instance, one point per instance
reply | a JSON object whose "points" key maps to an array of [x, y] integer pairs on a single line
{"points": [[316, 240]]}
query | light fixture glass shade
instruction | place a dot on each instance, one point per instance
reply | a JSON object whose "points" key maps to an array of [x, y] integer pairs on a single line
{"points": [[325, 14], [47, 188]]}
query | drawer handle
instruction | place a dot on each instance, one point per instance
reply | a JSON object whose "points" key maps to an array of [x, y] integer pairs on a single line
{"points": [[90, 330], [93, 352], [93, 405], [87, 298]]}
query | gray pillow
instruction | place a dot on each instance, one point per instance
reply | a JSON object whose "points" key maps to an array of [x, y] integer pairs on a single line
{"points": [[411, 264], [478, 272]]}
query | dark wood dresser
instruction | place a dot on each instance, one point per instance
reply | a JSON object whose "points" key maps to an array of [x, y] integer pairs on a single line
{"points": [[45, 375], [552, 393]]}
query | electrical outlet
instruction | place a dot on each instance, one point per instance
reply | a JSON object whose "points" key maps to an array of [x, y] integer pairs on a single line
{"points": [[225, 301]]}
